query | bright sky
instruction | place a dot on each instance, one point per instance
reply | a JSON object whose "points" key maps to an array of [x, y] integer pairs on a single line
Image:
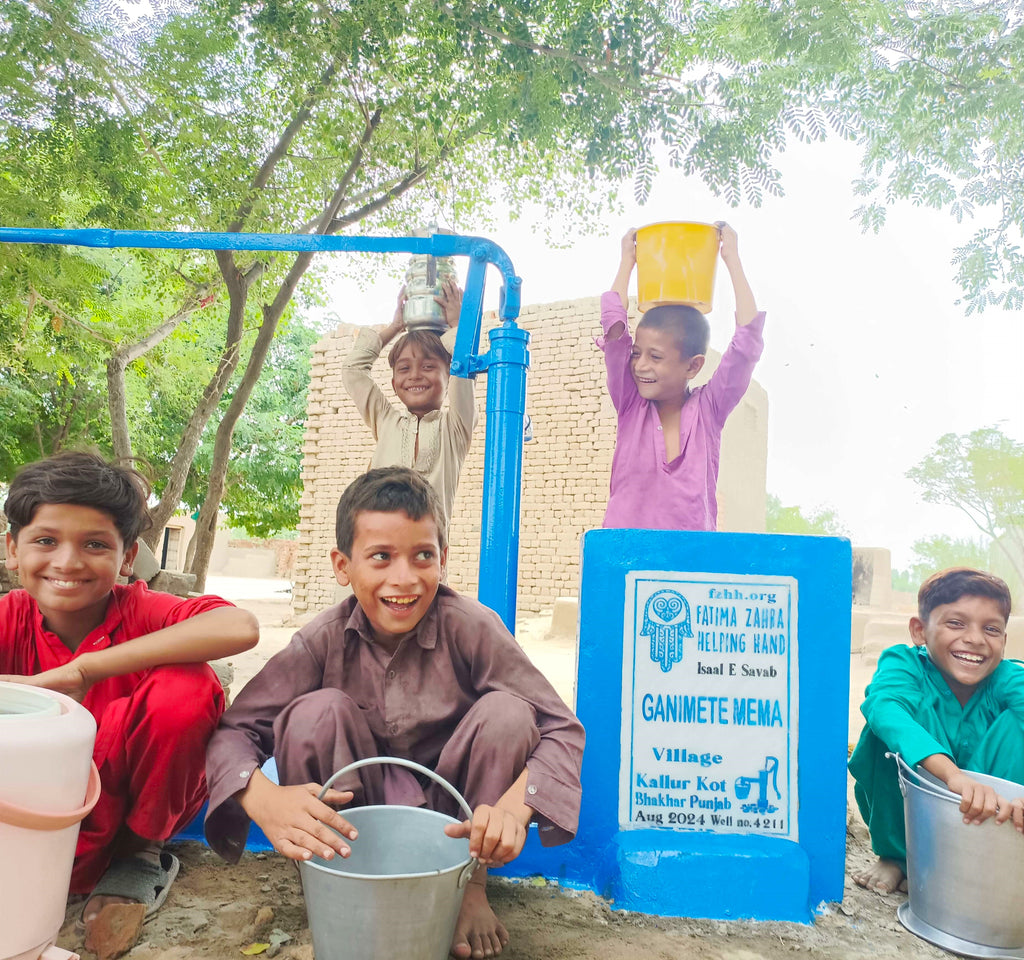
{"points": [[868, 359]]}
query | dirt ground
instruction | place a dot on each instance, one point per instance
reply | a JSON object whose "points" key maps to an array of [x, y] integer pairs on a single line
{"points": [[211, 909]]}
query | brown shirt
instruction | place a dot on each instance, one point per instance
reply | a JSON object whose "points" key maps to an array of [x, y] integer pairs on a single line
{"points": [[413, 701]]}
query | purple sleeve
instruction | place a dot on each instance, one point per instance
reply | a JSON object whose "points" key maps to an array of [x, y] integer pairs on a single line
{"points": [[244, 739], [621, 387], [497, 662], [730, 381]]}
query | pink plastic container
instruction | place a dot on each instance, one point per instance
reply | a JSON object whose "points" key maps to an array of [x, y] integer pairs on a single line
{"points": [[48, 785]]}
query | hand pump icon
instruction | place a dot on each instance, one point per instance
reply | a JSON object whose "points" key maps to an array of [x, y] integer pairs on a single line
{"points": [[743, 785]]}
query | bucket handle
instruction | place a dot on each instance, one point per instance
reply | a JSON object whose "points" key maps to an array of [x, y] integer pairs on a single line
{"points": [[906, 773], [416, 768], [15, 816]]}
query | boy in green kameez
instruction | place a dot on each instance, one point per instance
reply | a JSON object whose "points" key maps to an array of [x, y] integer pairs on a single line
{"points": [[949, 703]]}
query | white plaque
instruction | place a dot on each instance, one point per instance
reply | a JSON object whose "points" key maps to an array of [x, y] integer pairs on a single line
{"points": [[709, 703]]}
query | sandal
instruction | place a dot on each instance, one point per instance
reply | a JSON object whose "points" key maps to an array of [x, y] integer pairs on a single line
{"points": [[136, 879]]}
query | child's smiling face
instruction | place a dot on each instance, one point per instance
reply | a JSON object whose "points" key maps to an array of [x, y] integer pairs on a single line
{"points": [[394, 570], [419, 380], [659, 370], [68, 558], [965, 640]]}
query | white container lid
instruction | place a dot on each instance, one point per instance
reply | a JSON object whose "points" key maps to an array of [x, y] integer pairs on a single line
{"points": [[18, 700]]}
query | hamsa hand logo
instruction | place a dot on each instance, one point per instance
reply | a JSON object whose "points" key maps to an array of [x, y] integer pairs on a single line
{"points": [[667, 624]]}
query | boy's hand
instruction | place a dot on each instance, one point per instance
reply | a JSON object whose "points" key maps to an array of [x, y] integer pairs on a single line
{"points": [[496, 835], [69, 679], [1012, 811], [978, 802], [391, 330], [295, 821], [629, 248], [451, 301], [730, 243]]}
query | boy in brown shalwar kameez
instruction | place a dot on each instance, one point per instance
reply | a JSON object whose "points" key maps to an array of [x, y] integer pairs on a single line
{"points": [[407, 668]]}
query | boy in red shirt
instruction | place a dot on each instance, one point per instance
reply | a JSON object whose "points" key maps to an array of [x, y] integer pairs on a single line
{"points": [[134, 658]]}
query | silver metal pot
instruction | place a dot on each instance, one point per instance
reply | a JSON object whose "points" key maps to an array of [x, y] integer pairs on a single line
{"points": [[424, 280], [965, 882]]}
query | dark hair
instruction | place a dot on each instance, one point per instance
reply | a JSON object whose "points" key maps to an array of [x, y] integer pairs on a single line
{"points": [[85, 480], [429, 343], [387, 490], [687, 326], [948, 586]]}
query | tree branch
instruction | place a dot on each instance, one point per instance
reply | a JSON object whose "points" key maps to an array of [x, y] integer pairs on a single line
{"points": [[280, 148], [611, 79], [334, 204], [403, 185], [117, 363], [57, 311], [924, 63]]}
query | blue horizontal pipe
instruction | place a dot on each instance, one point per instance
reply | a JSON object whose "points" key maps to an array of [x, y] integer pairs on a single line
{"points": [[506, 362], [437, 245]]}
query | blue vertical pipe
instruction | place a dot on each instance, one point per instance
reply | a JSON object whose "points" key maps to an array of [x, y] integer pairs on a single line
{"points": [[503, 470], [465, 362]]}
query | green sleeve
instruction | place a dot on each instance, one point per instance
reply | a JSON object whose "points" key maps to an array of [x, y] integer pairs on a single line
{"points": [[894, 702], [1006, 687]]}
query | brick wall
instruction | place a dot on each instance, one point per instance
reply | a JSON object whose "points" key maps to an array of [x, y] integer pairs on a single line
{"points": [[565, 467]]}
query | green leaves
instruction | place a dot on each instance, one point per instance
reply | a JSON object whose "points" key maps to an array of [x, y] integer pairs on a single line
{"points": [[285, 115], [941, 552], [821, 521], [937, 110], [981, 474]]}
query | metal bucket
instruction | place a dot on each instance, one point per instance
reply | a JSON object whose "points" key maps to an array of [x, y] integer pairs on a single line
{"points": [[965, 881], [400, 891]]}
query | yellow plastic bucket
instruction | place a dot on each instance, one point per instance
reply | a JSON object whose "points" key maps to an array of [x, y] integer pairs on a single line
{"points": [[675, 263]]}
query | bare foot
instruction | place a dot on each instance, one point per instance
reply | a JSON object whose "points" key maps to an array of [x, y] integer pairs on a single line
{"points": [[883, 876], [478, 932]]}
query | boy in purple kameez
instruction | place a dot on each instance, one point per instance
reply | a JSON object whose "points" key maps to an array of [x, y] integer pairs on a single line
{"points": [[403, 668], [665, 468]]}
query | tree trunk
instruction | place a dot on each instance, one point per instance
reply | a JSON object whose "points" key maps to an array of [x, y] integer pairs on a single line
{"points": [[206, 525], [238, 291], [118, 406], [190, 552], [118, 361], [1015, 555], [328, 223], [206, 531]]}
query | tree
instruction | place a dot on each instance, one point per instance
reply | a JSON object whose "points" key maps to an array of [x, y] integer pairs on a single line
{"points": [[940, 552], [822, 521], [349, 111], [938, 115], [264, 480], [981, 474], [293, 117]]}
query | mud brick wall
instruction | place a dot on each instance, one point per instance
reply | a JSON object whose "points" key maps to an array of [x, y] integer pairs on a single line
{"points": [[565, 466]]}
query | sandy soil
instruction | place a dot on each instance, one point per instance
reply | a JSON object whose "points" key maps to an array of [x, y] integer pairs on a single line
{"points": [[211, 909]]}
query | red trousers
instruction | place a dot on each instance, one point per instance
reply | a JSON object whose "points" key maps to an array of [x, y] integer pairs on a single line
{"points": [[151, 754]]}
